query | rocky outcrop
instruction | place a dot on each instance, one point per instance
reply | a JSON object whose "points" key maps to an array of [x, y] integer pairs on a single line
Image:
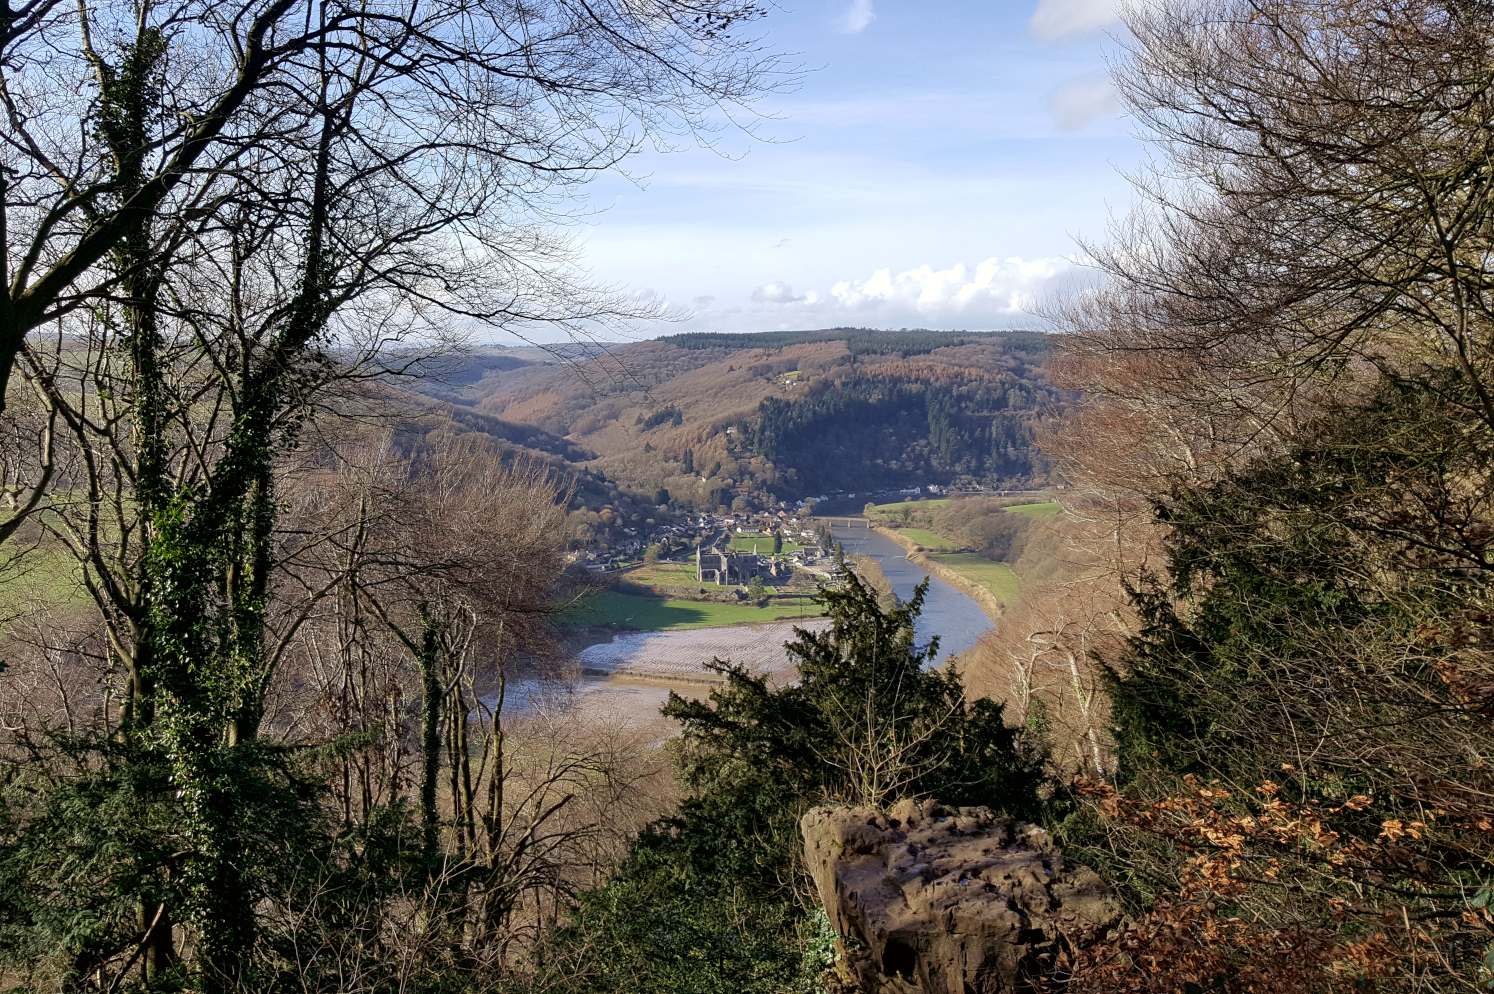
{"points": [[934, 900]]}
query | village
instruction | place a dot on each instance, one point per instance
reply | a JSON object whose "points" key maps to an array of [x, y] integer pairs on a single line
{"points": [[724, 549], [749, 532]]}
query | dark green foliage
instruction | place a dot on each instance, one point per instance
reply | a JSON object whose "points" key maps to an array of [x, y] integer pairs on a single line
{"points": [[863, 679], [1322, 634], [703, 904], [1255, 600], [94, 836], [864, 340], [661, 497], [714, 898], [664, 415], [865, 432], [81, 853], [1308, 601]]}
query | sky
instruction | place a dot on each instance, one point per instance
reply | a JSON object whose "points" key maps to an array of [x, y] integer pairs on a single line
{"points": [[935, 169]]}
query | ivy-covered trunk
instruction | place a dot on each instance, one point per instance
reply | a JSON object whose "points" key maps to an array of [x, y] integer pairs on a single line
{"points": [[430, 732], [196, 667]]}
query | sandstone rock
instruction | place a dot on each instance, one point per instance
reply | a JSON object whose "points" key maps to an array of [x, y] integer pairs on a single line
{"points": [[934, 900]]}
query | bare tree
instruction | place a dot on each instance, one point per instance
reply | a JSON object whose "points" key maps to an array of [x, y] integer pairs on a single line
{"points": [[447, 565], [223, 216], [1320, 221], [128, 120]]}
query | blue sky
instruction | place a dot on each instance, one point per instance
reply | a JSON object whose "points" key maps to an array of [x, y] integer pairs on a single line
{"points": [[932, 170]]}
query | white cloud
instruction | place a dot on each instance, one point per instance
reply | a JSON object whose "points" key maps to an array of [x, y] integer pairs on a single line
{"points": [[1060, 20], [856, 17], [1076, 102], [778, 293], [996, 292], [1004, 286]]}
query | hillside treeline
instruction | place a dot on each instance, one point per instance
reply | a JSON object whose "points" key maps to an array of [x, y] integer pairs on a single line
{"points": [[865, 341], [763, 418]]}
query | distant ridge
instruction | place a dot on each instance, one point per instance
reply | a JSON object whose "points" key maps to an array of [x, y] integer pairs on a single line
{"points": [[708, 418], [862, 341]]}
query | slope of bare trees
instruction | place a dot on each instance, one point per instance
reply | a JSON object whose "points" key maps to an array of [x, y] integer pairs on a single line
{"points": [[221, 223], [431, 832], [1283, 464]]}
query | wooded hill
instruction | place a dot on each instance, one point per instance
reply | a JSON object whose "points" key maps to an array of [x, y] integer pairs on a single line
{"points": [[781, 414]]}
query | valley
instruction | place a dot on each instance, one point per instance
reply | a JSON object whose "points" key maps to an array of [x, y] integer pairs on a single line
{"points": [[758, 446], [346, 650]]}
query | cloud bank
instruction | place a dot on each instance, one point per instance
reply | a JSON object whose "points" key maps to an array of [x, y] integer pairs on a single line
{"points": [[778, 293], [1063, 20], [995, 293], [1004, 287]]}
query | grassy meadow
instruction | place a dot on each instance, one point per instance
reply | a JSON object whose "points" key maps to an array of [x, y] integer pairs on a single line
{"points": [[1041, 509], [927, 539], [912, 506], [676, 574], [998, 578], [46, 575], [764, 543]]}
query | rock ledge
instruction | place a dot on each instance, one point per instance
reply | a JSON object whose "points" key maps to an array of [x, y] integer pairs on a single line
{"points": [[928, 899]]}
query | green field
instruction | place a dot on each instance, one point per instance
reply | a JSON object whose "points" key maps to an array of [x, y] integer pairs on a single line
{"points": [[929, 540], [764, 543], [913, 505], [998, 578], [44, 576], [1039, 510], [665, 574], [609, 607]]}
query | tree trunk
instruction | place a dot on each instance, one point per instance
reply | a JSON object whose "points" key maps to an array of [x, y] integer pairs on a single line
{"points": [[430, 733]]}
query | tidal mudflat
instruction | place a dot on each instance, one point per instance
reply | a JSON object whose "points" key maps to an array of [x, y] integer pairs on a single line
{"points": [[681, 655]]}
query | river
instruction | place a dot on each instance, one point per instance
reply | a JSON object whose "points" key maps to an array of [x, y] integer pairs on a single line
{"points": [[955, 618], [628, 677]]}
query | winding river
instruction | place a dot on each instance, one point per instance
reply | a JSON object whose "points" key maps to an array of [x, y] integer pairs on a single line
{"points": [[955, 618]]}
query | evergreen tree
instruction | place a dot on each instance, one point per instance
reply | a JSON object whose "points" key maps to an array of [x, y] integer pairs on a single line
{"points": [[709, 899]]}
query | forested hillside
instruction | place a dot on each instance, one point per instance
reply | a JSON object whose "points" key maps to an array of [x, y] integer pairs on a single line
{"points": [[875, 429], [781, 415]]}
